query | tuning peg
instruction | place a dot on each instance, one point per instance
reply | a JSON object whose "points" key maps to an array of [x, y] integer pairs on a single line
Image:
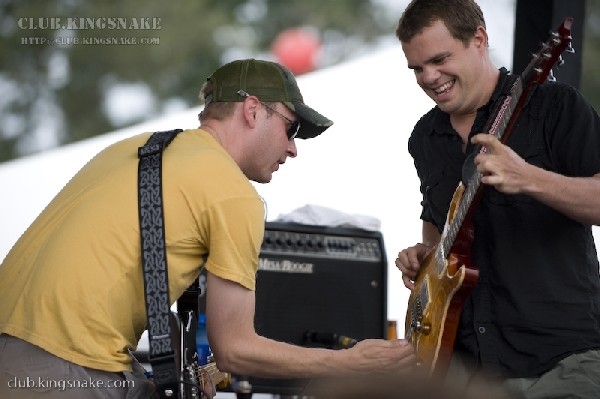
{"points": [[534, 56], [551, 77], [570, 49], [546, 56], [560, 62]]}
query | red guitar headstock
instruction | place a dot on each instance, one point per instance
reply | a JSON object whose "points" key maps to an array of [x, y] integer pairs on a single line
{"points": [[540, 67]]}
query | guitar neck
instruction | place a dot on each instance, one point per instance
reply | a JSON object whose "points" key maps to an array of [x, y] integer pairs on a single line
{"points": [[213, 372], [497, 125], [504, 119]]}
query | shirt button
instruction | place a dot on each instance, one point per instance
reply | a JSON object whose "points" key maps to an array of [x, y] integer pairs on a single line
{"points": [[482, 330]]}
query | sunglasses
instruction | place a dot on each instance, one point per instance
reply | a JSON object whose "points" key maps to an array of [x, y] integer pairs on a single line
{"points": [[294, 127]]}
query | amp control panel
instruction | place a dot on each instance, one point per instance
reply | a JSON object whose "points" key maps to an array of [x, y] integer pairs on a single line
{"points": [[323, 242]]}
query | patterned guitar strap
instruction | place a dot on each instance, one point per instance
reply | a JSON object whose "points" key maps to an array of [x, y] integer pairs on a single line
{"points": [[162, 354]]}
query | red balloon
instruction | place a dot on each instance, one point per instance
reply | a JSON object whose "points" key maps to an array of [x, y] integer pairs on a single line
{"points": [[297, 49]]}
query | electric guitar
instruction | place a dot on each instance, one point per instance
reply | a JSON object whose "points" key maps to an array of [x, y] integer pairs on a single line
{"points": [[447, 275], [196, 379]]}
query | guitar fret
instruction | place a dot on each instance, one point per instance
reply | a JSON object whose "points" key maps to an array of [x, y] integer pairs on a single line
{"points": [[213, 372], [440, 259]]}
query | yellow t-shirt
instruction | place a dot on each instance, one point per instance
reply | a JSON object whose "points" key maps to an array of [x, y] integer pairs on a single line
{"points": [[72, 284]]}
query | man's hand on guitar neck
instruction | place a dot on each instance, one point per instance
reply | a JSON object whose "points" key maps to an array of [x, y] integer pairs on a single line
{"points": [[501, 167], [207, 386]]}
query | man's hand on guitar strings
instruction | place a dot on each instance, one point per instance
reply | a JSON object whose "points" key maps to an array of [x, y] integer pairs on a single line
{"points": [[500, 166], [409, 263]]}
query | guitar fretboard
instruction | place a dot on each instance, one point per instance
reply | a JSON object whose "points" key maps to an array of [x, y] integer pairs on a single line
{"points": [[498, 125], [214, 373]]}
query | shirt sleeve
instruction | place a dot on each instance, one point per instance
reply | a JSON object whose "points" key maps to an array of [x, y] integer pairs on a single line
{"points": [[573, 129], [236, 229]]}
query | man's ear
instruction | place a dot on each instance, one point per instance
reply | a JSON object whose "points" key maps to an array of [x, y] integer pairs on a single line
{"points": [[480, 39], [249, 110]]}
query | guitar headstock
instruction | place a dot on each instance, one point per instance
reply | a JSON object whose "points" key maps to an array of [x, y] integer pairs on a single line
{"points": [[540, 67]]}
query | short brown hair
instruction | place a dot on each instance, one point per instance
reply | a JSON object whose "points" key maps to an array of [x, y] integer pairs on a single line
{"points": [[461, 17], [214, 110]]}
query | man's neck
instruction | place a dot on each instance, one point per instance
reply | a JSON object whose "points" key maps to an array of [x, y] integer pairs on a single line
{"points": [[463, 123]]}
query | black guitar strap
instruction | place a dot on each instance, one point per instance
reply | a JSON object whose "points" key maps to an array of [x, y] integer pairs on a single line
{"points": [[162, 355]]}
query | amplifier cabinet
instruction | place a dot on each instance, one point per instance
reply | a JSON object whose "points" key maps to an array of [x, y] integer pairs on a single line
{"points": [[316, 286]]}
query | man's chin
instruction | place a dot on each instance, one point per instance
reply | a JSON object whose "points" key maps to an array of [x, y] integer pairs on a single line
{"points": [[263, 179]]}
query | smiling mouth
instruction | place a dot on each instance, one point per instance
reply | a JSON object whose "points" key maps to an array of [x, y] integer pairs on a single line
{"points": [[444, 88]]}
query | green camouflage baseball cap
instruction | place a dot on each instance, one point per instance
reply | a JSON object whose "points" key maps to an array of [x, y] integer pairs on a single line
{"points": [[270, 82]]}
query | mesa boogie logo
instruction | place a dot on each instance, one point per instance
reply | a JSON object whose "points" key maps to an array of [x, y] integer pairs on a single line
{"points": [[285, 266]]}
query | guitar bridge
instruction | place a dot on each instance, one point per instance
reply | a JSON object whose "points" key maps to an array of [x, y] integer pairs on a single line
{"points": [[421, 300]]}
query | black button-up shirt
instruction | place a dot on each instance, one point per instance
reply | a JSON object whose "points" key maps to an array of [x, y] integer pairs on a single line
{"points": [[538, 295]]}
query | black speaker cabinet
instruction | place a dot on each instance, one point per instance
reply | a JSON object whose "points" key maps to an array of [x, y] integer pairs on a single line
{"points": [[319, 287]]}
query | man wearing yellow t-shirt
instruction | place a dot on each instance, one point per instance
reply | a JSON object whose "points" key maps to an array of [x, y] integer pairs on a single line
{"points": [[71, 291]]}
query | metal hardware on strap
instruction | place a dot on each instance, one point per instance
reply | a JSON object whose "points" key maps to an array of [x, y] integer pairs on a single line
{"points": [[154, 262]]}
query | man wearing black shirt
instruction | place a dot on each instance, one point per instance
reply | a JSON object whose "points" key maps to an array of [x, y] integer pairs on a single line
{"points": [[533, 318]]}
